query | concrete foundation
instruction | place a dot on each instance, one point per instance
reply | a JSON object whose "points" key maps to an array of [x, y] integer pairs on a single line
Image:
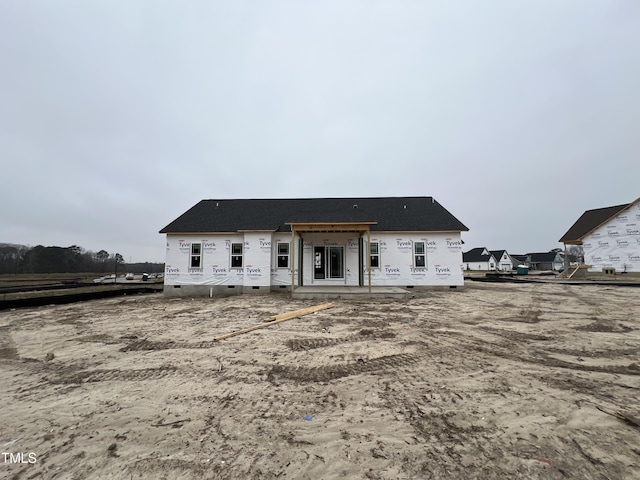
{"points": [[203, 290], [326, 292], [310, 291]]}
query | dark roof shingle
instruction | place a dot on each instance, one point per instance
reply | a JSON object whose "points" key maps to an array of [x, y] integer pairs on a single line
{"points": [[542, 257], [590, 220], [475, 255], [390, 213]]}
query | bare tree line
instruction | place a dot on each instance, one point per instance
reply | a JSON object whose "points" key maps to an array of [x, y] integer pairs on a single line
{"points": [[22, 259]]}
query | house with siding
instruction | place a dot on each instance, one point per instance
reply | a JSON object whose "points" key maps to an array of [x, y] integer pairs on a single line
{"points": [[257, 245], [610, 238], [479, 259], [504, 261], [519, 259], [545, 260]]}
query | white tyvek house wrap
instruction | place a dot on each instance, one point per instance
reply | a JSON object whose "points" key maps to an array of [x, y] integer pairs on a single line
{"points": [[349, 241], [259, 256], [216, 260], [443, 263], [615, 244], [257, 259], [443, 257], [282, 276]]}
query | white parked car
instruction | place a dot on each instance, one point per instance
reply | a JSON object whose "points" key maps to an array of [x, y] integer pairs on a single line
{"points": [[105, 278]]}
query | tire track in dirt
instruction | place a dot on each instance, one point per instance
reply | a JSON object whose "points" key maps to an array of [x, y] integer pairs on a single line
{"points": [[192, 468], [8, 350], [166, 345], [331, 372], [461, 443], [115, 374], [107, 375], [538, 357], [512, 335], [104, 338], [598, 316], [297, 344], [293, 344], [600, 389]]}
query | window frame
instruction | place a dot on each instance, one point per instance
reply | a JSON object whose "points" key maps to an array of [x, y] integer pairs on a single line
{"points": [[285, 256], [417, 254], [374, 255], [194, 255], [235, 256]]}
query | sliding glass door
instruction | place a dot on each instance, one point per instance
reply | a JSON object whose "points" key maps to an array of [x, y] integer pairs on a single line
{"points": [[328, 262]]}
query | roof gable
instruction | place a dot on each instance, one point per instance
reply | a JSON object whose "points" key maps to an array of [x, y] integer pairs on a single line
{"points": [[590, 220], [389, 213], [480, 254]]}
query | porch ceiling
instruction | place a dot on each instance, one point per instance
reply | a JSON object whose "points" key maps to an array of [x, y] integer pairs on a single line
{"points": [[360, 227]]}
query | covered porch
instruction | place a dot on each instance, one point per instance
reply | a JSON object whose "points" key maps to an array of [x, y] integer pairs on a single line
{"points": [[332, 256]]}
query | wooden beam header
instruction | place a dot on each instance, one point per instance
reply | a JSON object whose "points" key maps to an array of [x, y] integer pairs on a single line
{"points": [[330, 226]]}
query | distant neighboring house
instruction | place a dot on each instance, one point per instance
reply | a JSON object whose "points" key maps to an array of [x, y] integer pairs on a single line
{"points": [[504, 260], [610, 237], [546, 261], [520, 259], [479, 259]]}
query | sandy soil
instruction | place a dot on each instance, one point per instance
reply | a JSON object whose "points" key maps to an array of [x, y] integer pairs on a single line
{"points": [[489, 382]]}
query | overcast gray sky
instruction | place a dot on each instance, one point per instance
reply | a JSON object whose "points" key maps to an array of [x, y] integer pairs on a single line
{"points": [[118, 116]]}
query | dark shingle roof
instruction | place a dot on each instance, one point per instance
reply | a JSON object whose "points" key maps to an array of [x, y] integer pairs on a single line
{"points": [[475, 255], [590, 220], [542, 257], [391, 213], [497, 253]]}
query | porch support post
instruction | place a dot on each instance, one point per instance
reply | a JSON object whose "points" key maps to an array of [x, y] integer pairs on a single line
{"points": [[368, 253], [293, 257]]}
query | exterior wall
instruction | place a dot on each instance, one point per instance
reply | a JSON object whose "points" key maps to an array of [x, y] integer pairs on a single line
{"points": [[557, 264], [476, 266], [443, 262], [282, 276], [347, 240], [260, 274], [615, 244], [541, 266], [257, 260], [216, 260], [505, 263]]}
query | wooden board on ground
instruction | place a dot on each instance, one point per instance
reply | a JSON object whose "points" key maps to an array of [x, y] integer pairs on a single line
{"points": [[277, 319], [298, 313]]}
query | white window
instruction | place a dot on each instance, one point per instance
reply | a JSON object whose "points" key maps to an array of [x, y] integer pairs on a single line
{"points": [[374, 255], [236, 255], [196, 255], [283, 255], [419, 255]]}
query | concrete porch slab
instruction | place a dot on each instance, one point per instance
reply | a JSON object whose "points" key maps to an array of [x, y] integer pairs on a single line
{"points": [[349, 292]]}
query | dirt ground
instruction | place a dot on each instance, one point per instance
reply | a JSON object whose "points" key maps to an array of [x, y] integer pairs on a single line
{"points": [[493, 381]]}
